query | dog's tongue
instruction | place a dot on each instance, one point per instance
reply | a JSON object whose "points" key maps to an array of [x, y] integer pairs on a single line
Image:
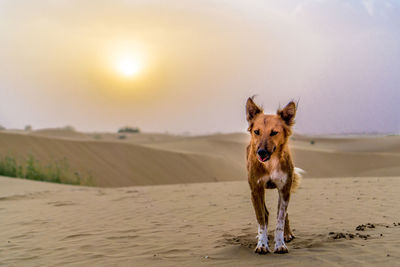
{"points": [[264, 159]]}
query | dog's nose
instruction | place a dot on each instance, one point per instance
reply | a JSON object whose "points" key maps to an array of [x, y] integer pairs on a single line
{"points": [[262, 153]]}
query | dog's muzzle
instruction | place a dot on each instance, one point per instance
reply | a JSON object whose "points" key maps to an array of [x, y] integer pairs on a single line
{"points": [[263, 155]]}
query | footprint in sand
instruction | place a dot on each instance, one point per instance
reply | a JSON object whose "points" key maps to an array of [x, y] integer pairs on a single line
{"points": [[61, 203]]}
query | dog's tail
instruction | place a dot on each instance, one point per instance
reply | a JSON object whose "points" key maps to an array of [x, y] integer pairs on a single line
{"points": [[297, 175]]}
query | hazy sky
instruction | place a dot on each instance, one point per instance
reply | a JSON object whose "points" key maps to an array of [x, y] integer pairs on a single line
{"points": [[198, 62]]}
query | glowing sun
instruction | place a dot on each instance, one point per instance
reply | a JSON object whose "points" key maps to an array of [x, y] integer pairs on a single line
{"points": [[128, 66]]}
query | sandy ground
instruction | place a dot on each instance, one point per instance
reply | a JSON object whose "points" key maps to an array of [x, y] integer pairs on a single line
{"points": [[46, 224]]}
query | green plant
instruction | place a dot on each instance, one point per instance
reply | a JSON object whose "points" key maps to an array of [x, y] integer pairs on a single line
{"points": [[32, 169], [55, 172], [8, 167]]}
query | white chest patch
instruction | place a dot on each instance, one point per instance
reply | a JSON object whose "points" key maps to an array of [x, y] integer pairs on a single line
{"points": [[279, 178]]}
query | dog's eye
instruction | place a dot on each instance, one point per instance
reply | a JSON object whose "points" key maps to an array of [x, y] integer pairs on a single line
{"points": [[273, 133], [257, 132]]}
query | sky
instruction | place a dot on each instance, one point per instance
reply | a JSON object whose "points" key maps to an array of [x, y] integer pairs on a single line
{"points": [[196, 62]]}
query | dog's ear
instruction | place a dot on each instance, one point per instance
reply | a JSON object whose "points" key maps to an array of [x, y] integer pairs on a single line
{"points": [[252, 110], [288, 113]]}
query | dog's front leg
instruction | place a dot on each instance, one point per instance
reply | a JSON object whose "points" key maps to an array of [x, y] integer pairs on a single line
{"points": [[257, 197], [280, 246]]}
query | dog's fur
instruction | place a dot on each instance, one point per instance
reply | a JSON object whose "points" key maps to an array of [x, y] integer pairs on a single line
{"points": [[270, 165]]}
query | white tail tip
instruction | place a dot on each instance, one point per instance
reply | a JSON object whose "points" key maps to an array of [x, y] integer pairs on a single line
{"points": [[299, 171]]}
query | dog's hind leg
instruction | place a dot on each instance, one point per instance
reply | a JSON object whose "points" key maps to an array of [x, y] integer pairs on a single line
{"points": [[288, 234], [266, 214]]}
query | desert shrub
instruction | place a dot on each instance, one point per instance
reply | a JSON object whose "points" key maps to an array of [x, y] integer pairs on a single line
{"points": [[121, 136], [312, 142], [97, 136], [129, 130], [9, 167], [32, 169], [55, 172], [28, 128], [69, 128]]}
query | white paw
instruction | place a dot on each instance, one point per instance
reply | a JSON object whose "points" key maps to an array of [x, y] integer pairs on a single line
{"points": [[280, 247], [262, 248], [262, 244]]}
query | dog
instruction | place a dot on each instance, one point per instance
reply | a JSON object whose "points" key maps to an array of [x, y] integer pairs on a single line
{"points": [[269, 166]]}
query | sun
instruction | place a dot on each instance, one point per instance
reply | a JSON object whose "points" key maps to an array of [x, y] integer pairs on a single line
{"points": [[128, 66]]}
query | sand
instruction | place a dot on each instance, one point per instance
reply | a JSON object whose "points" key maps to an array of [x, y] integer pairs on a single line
{"points": [[166, 200], [195, 224]]}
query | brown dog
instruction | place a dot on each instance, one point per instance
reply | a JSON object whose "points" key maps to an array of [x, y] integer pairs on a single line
{"points": [[270, 165]]}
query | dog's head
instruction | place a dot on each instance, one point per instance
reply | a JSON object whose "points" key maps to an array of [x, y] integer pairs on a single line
{"points": [[269, 133]]}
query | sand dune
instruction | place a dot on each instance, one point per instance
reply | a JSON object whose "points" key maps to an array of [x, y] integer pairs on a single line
{"points": [[150, 159], [65, 133], [122, 164], [196, 224], [374, 144]]}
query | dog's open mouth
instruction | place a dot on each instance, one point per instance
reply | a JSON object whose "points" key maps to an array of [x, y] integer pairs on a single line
{"points": [[264, 159]]}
